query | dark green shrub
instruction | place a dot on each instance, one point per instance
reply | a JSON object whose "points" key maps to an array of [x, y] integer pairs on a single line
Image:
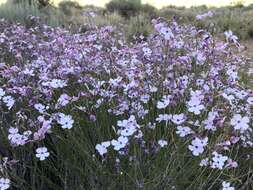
{"points": [[239, 5], [125, 8], [149, 10], [67, 7], [250, 30]]}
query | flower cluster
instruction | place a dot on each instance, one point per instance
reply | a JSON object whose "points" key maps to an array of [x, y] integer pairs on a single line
{"points": [[180, 81], [197, 146], [8, 100]]}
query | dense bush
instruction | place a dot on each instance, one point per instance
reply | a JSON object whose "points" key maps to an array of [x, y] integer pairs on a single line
{"points": [[68, 7], [89, 111], [250, 30], [149, 10], [18, 12], [125, 8]]}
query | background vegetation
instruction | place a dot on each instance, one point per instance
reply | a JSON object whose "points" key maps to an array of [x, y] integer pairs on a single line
{"points": [[131, 13]]}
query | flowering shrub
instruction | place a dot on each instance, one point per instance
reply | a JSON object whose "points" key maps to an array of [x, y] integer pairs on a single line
{"points": [[89, 111]]}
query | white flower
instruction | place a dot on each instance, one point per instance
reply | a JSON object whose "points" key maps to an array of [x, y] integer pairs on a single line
{"points": [[163, 117], [164, 102], [209, 122], [178, 118], [63, 100], [128, 127], [145, 98], [197, 95], [29, 72], [206, 88], [197, 146], [241, 94], [27, 133], [57, 83], [196, 149], [195, 106], [184, 80], [2, 93], [167, 33], [120, 143], [12, 132], [230, 97], [130, 130], [17, 139], [162, 143], [115, 82], [9, 101], [92, 14], [42, 153], [40, 107], [183, 131], [232, 74], [204, 162], [139, 135], [200, 82], [65, 121], [199, 57], [153, 89], [4, 183], [102, 148], [218, 161], [147, 51], [230, 36], [239, 122], [250, 100], [226, 186]]}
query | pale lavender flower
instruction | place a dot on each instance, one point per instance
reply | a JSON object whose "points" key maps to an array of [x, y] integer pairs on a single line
{"points": [[42, 153]]}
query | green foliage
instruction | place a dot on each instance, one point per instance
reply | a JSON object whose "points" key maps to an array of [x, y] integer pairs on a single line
{"points": [[237, 18], [239, 4], [250, 30], [138, 25], [234, 19], [149, 10], [19, 12], [125, 8], [40, 3], [181, 14], [113, 19], [68, 7], [231, 21]]}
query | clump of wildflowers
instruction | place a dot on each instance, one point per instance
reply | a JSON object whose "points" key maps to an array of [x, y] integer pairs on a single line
{"points": [[181, 85]]}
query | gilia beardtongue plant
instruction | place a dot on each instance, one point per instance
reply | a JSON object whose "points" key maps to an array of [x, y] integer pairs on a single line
{"points": [[180, 87]]}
